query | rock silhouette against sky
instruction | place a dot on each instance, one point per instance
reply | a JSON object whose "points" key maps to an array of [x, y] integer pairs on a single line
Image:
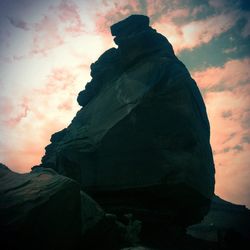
{"points": [[140, 146], [142, 135]]}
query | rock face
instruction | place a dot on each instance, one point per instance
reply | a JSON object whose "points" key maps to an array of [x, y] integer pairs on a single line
{"points": [[140, 143], [226, 223], [44, 210], [39, 208]]}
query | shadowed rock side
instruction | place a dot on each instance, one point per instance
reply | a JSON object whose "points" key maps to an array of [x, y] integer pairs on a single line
{"points": [[40, 209], [140, 143], [226, 223], [44, 210]]}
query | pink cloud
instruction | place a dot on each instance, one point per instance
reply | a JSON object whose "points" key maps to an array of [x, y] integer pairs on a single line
{"points": [[195, 33], [6, 106], [43, 111], [68, 14], [232, 176], [66, 105], [61, 22], [227, 98], [172, 21], [230, 75], [20, 113], [20, 155], [114, 12], [60, 79], [46, 36]]}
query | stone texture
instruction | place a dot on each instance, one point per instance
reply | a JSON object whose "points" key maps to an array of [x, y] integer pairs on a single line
{"points": [[140, 143], [40, 209], [44, 210], [226, 223]]}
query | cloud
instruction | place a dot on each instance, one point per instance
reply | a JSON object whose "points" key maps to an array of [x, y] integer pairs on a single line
{"points": [[6, 106], [50, 51], [113, 12], [68, 14], [229, 50], [232, 74], [60, 22], [20, 112], [230, 130], [59, 79], [226, 91], [232, 176], [26, 128], [195, 33], [46, 35], [18, 23], [183, 25], [66, 105]]}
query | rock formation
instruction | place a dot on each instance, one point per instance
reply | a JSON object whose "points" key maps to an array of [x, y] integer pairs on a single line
{"points": [[44, 210], [140, 143], [41, 207], [226, 223], [140, 148]]}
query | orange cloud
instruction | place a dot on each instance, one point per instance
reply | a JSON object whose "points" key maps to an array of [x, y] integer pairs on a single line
{"points": [[68, 14], [27, 128], [46, 86], [227, 96], [113, 12], [12, 116], [60, 22], [195, 33], [230, 75], [165, 18]]}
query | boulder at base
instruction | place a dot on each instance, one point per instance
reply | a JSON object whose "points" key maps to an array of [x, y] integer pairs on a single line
{"points": [[40, 210], [140, 143], [44, 210], [226, 223]]}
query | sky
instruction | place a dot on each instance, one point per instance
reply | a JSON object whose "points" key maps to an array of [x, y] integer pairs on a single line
{"points": [[46, 48]]}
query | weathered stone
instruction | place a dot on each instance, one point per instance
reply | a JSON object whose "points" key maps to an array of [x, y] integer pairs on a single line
{"points": [[44, 210], [226, 223], [91, 213], [132, 24], [141, 143], [40, 210]]}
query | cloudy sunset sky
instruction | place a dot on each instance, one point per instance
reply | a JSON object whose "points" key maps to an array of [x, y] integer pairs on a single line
{"points": [[46, 48]]}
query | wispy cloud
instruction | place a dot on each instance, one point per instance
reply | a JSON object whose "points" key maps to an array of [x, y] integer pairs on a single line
{"points": [[234, 73], [46, 50], [20, 113], [227, 95], [18, 23], [195, 33], [60, 22]]}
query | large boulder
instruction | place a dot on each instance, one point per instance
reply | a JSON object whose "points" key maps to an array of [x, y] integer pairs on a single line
{"points": [[44, 210], [226, 223], [140, 143], [41, 209]]}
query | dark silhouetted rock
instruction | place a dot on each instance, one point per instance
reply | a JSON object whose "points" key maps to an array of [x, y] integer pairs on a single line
{"points": [[132, 24], [226, 223], [41, 209], [140, 144], [44, 210]]}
